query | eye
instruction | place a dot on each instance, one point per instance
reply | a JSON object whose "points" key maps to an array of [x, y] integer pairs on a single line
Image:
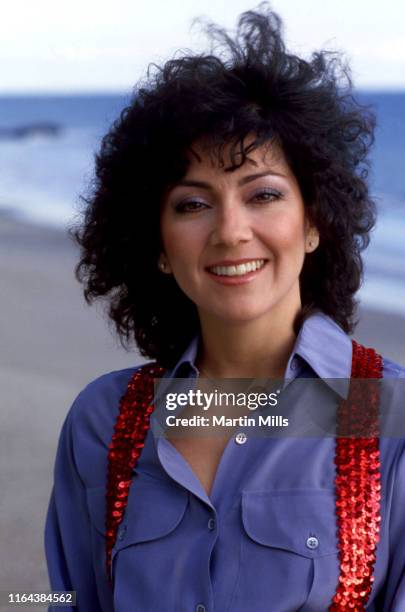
{"points": [[190, 206], [266, 195]]}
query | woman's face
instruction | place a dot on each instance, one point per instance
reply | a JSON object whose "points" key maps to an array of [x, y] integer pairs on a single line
{"points": [[235, 242]]}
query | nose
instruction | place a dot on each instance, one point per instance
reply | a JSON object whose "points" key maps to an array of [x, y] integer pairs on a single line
{"points": [[231, 225]]}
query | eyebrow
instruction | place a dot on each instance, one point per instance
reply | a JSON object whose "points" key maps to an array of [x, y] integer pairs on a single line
{"points": [[246, 179]]}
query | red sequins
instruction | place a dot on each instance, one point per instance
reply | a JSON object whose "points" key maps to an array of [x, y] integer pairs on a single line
{"points": [[126, 446], [358, 482]]}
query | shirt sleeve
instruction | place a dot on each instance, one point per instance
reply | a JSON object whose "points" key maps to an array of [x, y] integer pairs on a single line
{"points": [[68, 533], [394, 592]]}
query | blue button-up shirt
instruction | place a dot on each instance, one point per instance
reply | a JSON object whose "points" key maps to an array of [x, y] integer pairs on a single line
{"points": [[264, 540]]}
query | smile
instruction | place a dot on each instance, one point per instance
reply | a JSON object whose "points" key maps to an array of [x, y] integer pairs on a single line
{"points": [[239, 269]]}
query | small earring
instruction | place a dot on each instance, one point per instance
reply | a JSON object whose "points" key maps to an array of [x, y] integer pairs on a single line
{"points": [[162, 266], [310, 244]]}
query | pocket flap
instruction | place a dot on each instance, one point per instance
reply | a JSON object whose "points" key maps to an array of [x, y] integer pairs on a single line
{"points": [[154, 509], [301, 521]]}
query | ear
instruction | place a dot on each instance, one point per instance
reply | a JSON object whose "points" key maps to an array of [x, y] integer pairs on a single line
{"points": [[312, 239], [163, 264]]}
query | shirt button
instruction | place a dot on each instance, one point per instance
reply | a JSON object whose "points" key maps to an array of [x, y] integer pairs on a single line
{"points": [[240, 438], [211, 524], [121, 533], [200, 608], [312, 543]]}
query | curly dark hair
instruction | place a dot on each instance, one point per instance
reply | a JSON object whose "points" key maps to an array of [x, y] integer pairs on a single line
{"points": [[245, 85]]}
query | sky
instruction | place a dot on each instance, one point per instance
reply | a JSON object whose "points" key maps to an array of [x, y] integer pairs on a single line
{"points": [[106, 45]]}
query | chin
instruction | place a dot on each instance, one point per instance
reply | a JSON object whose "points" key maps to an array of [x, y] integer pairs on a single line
{"points": [[240, 314]]}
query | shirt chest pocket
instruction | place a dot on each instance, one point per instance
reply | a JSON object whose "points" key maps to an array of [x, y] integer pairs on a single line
{"points": [[289, 549], [153, 513]]}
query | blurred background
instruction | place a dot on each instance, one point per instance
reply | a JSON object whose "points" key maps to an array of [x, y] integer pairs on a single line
{"points": [[66, 72]]}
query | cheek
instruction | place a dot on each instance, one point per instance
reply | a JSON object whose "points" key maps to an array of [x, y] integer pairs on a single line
{"points": [[181, 244], [287, 234]]}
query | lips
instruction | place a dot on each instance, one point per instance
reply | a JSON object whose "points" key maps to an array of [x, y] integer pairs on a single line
{"points": [[237, 267]]}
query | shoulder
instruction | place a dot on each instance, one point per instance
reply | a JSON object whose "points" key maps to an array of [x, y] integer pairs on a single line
{"points": [[89, 424], [392, 369], [99, 397]]}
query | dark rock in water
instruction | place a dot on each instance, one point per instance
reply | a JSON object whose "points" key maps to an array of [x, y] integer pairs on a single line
{"points": [[19, 132]]}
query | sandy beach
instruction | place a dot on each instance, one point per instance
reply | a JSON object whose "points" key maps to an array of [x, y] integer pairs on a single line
{"points": [[52, 344]]}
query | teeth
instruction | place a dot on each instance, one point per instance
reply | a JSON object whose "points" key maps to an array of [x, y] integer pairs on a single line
{"points": [[239, 270]]}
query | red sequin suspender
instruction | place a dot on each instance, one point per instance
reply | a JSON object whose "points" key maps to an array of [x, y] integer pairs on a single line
{"points": [[358, 486], [127, 443], [357, 474]]}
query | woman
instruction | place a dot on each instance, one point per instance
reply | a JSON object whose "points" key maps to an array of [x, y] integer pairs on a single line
{"points": [[226, 225]]}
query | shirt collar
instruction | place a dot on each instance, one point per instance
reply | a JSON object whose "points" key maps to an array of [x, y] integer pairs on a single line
{"points": [[321, 343], [327, 349], [185, 367]]}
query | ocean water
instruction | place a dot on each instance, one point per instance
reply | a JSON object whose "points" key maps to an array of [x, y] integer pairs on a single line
{"points": [[42, 175]]}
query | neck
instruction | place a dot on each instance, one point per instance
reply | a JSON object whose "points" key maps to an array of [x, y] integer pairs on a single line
{"points": [[257, 349]]}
